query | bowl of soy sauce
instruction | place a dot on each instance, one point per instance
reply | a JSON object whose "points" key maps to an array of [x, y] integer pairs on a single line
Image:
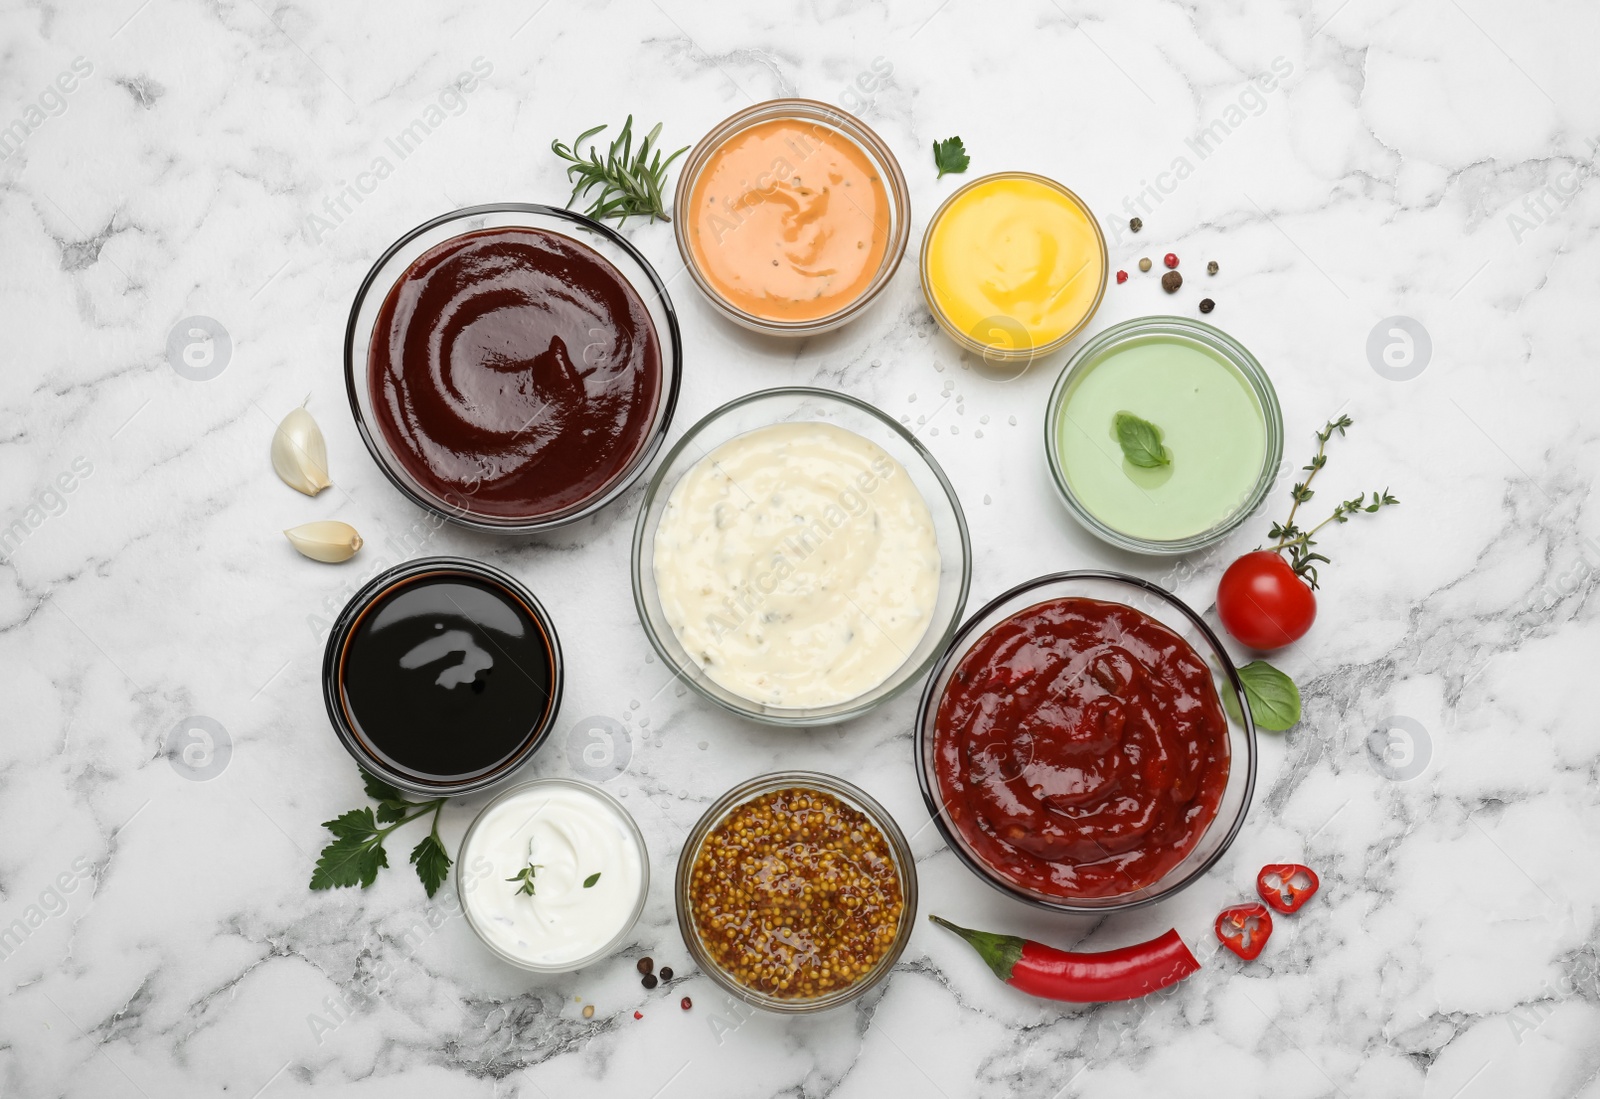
{"points": [[442, 676]]}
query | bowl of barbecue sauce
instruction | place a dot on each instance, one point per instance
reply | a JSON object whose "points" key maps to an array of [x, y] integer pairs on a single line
{"points": [[512, 367], [442, 675]]}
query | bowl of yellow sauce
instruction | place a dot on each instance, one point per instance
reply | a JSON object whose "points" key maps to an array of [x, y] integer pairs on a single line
{"points": [[1013, 266], [791, 216]]}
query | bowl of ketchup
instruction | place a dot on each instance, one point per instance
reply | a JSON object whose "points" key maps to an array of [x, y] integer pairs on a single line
{"points": [[1084, 743], [512, 367]]}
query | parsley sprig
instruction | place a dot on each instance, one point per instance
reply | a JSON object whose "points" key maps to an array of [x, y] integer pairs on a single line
{"points": [[630, 183], [950, 155], [356, 854], [1298, 543]]}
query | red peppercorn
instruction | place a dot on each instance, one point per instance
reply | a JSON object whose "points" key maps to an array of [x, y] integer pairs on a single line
{"points": [[1170, 259], [638, 1015], [1122, 277], [686, 1003]]}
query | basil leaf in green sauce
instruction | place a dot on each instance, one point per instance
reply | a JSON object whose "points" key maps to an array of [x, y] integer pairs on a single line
{"points": [[1141, 441]]}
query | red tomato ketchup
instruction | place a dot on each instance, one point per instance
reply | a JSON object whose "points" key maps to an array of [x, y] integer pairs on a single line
{"points": [[1081, 749]]}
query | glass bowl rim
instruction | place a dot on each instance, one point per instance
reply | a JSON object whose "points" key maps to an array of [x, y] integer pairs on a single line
{"points": [[1255, 375], [631, 826], [927, 708], [1002, 354], [851, 127], [796, 717], [672, 369], [848, 792], [361, 602]]}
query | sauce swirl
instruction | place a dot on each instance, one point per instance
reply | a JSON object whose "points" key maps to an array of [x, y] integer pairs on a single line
{"points": [[514, 372]]}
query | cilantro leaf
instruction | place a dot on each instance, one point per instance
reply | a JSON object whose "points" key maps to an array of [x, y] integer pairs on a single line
{"points": [[432, 862], [950, 155], [379, 790], [1140, 441], [343, 863], [356, 824]]}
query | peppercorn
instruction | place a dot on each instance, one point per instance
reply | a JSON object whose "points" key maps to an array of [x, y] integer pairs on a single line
{"points": [[1122, 277], [588, 1011], [649, 980], [1136, 224], [1144, 264], [1211, 268], [666, 973], [686, 1003], [638, 1015], [645, 965], [1170, 259], [1171, 281], [1207, 305]]}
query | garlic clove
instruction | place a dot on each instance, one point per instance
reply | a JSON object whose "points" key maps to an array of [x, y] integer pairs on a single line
{"points": [[300, 454], [325, 540]]}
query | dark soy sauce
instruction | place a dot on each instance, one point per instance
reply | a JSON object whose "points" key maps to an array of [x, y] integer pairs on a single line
{"points": [[446, 677]]}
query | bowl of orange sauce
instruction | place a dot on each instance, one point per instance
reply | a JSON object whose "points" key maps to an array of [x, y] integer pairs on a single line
{"points": [[791, 216]]}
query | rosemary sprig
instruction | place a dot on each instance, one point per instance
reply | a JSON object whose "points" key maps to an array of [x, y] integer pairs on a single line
{"points": [[1298, 543], [630, 182]]}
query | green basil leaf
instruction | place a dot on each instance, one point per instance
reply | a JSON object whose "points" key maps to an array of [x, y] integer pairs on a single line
{"points": [[1140, 441], [588, 883], [1274, 699]]}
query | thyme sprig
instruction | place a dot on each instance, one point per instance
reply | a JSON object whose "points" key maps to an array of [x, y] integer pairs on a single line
{"points": [[1298, 543], [630, 182]]}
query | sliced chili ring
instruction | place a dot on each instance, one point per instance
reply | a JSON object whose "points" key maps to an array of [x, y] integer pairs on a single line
{"points": [[1287, 885], [1245, 929]]}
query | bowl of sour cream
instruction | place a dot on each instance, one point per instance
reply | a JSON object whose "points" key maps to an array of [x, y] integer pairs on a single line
{"points": [[553, 874], [799, 557]]}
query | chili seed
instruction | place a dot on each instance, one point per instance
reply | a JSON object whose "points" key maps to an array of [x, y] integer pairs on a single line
{"points": [[1170, 259], [645, 965], [649, 980], [1211, 268], [1136, 224], [666, 973], [588, 1011], [1122, 277], [1144, 264], [686, 1003], [1171, 281], [1207, 305]]}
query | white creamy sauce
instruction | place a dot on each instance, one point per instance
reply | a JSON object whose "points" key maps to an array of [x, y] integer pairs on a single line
{"points": [[570, 834], [798, 565]]}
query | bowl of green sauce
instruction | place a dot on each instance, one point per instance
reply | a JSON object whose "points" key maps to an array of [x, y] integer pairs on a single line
{"points": [[1163, 435]]}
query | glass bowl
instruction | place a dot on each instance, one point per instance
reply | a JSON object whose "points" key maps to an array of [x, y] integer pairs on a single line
{"points": [[1171, 612], [468, 879], [1214, 340], [833, 118], [761, 409], [394, 262], [1000, 339], [344, 723], [899, 849]]}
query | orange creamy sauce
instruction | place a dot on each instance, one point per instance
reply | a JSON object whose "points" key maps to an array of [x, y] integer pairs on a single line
{"points": [[789, 220]]}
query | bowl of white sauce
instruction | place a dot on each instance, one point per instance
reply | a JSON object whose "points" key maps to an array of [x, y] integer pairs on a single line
{"points": [[553, 874], [799, 557]]}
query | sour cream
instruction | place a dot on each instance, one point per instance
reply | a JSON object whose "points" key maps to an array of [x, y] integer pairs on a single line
{"points": [[569, 832], [798, 565]]}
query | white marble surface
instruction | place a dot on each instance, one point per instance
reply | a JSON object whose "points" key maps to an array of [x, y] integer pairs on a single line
{"points": [[1433, 160]]}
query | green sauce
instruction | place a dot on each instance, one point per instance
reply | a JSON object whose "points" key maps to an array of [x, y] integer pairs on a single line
{"points": [[1212, 424]]}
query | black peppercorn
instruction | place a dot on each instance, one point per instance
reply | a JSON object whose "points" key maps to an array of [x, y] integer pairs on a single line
{"points": [[649, 980], [666, 973], [1171, 281], [1136, 224], [1211, 268], [1207, 305]]}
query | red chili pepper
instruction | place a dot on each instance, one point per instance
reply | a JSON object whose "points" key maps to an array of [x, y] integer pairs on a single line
{"points": [[1123, 974], [1245, 929], [1287, 885]]}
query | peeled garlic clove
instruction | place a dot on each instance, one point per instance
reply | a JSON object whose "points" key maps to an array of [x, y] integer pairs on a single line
{"points": [[300, 454], [327, 540]]}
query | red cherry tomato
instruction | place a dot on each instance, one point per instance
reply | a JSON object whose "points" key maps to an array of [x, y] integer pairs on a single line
{"points": [[1263, 603]]}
